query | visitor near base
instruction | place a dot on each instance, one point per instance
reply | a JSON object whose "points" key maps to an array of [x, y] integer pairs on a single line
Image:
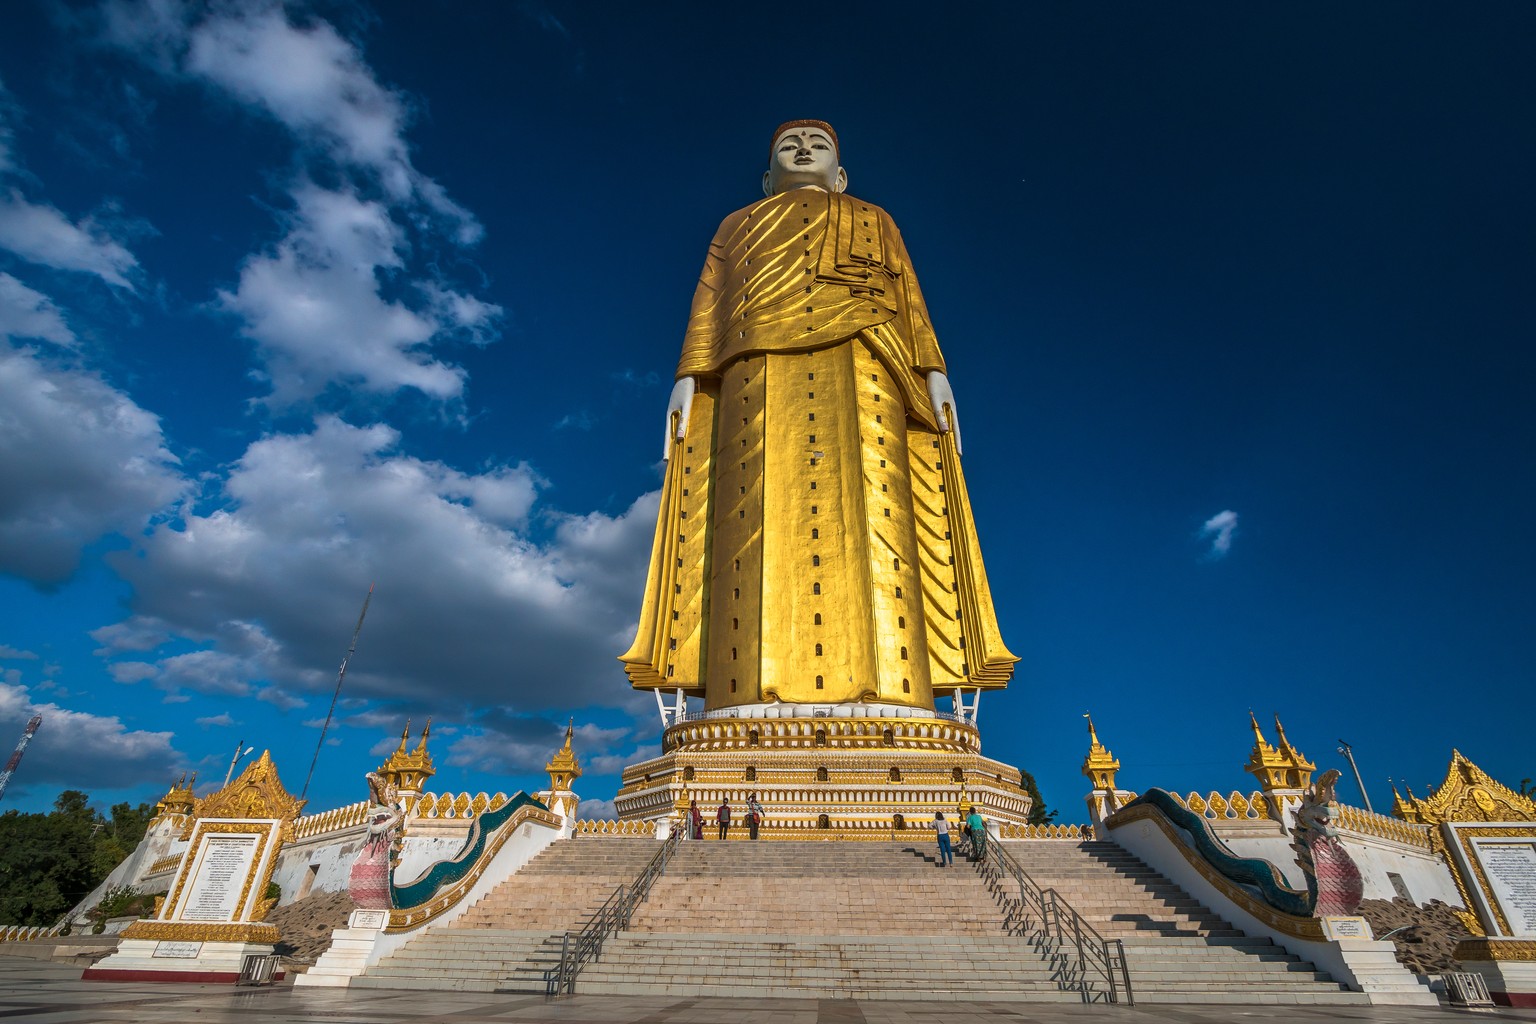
{"points": [[723, 818], [946, 855]]}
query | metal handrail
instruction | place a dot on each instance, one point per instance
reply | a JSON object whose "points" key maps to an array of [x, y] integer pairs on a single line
{"points": [[1057, 930], [612, 916]]}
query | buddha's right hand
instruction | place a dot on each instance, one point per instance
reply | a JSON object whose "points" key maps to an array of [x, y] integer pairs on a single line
{"points": [[678, 407]]}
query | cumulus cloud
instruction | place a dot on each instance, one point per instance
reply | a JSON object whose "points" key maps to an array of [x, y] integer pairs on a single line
{"points": [[595, 810], [41, 234], [9, 653], [85, 751], [1219, 530], [25, 313], [224, 718], [315, 308], [484, 597], [79, 459], [335, 301]]}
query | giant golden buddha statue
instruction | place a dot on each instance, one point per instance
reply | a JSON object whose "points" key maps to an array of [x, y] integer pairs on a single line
{"points": [[815, 542], [815, 553]]}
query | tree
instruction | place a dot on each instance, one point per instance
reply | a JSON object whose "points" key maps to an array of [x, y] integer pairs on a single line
{"points": [[1037, 812], [50, 862]]}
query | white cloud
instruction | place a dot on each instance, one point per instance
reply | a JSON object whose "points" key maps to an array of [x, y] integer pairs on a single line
{"points": [[25, 313], [9, 653], [1219, 529], [42, 234], [342, 298], [85, 751], [138, 633], [79, 459], [223, 718], [480, 603], [315, 309], [595, 810]]}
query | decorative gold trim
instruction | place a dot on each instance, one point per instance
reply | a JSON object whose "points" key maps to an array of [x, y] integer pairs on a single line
{"points": [[412, 918], [257, 793], [1309, 928], [1507, 950], [184, 931]]}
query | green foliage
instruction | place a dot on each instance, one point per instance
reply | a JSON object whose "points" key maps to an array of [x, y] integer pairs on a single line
{"points": [[49, 862], [116, 901], [274, 891], [1038, 815]]}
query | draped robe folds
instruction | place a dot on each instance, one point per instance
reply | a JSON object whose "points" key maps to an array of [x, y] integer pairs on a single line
{"points": [[815, 541]]}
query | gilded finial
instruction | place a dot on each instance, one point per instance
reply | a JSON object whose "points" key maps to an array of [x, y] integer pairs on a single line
{"points": [[409, 771], [563, 768], [1100, 765], [1277, 767]]}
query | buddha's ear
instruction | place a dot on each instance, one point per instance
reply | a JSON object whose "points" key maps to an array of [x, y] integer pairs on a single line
{"points": [[841, 184], [765, 184]]}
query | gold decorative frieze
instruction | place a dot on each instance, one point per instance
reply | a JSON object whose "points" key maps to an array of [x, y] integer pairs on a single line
{"points": [[1078, 833], [1506, 950], [1363, 822], [454, 805], [1234, 806], [337, 820], [186, 931], [587, 827], [822, 733]]}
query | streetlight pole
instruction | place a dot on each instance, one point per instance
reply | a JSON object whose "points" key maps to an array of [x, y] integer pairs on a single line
{"points": [[232, 761], [1349, 753]]}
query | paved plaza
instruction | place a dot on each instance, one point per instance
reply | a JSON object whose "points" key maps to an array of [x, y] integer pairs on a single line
{"points": [[41, 992]]}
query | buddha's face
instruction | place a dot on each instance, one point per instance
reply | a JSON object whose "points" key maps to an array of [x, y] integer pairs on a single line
{"points": [[802, 157]]}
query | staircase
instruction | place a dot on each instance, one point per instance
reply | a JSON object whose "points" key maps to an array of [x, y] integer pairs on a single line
{"points": [[866, 920], [512, 926]]}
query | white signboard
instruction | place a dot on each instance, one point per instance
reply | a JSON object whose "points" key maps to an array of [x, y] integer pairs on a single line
{"points": [[1347, 928], [179, 950], [1510, 865], [223, 866], [374, 919]]}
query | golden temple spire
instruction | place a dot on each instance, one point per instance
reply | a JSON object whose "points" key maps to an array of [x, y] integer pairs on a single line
{"points": [[409, 771], [1277, 767], [563, 768], [1100, 765]]}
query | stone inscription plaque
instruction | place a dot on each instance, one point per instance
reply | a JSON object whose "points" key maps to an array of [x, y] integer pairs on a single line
{"points": [[179, 950], [1346, 928], [221, 874], [1511, 871]]}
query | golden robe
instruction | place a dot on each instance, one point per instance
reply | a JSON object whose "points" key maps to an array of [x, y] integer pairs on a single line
{"points": [[815, 541]]}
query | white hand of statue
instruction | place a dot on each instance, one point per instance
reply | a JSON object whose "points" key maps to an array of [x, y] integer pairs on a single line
{"points": [[944, 408], [681, 403]]}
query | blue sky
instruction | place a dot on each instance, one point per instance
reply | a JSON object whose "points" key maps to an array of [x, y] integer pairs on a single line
{"points": [[1237, 305]]}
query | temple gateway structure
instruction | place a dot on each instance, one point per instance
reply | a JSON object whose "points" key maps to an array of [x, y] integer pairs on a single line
{"points": [[816, 577]]}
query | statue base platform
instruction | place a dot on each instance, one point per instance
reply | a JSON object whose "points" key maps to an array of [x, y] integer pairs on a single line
{"points": [[208, 962], [839, 772], [1508, 967]]}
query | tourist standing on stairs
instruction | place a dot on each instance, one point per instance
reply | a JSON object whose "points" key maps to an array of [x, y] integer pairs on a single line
{"points": [[723, 818], [695, 821], [754, 815], [978, 826], [946, 856]]}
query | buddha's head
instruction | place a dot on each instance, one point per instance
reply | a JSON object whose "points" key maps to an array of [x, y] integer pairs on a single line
{"points": [[803, 155]]}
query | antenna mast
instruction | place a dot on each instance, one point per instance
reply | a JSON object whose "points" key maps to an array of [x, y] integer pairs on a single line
{"points": [[21, 748], [339, 677]]}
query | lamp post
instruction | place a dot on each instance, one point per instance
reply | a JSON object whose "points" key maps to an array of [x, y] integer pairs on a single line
{"points": [[1349, 753], [234, 760]]}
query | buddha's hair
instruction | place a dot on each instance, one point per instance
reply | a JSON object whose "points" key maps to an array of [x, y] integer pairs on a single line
{"points": [[787, 125]]}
